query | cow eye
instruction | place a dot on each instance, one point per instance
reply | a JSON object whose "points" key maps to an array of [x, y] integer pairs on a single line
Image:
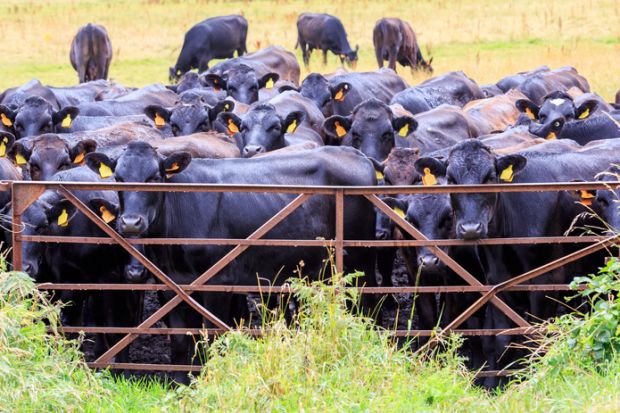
{"points": [[489, 179], [356, 138], [556, 124], [451, 180], [603, 202], [273, 127], [19, 127], [253, 88], [232, 89], [154, 178], [175, 130], [542, 117]]}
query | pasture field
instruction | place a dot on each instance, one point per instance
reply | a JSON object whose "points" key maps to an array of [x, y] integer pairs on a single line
{"points": [[487, 39]]}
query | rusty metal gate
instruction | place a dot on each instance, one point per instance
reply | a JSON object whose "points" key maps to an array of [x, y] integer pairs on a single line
{"points": [[24, 193]]}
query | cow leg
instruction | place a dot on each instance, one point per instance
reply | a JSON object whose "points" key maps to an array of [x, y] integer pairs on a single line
{"points": [[392, 59], [379, 56], [305, 53], [203, 65]]}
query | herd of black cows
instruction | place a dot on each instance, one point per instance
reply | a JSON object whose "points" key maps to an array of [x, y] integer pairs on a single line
{"points": [[248, 120]]}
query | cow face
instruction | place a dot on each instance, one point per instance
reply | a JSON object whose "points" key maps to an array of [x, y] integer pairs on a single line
{"points": [[605, 202], [350, 58], [471, 162], [261, 129], [371, 128], [138, 163], [557, 109], [48, 155], [241, 83], [36, 117], [190, 115], [316, 88]]}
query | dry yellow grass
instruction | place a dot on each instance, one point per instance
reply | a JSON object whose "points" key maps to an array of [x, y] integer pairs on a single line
{"points": [[485, 38]]}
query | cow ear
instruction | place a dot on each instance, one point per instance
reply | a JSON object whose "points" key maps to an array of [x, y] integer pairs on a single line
{"points": [[430, 169], [79, 151], [528, 107], [292, 121], [7, 116], [65, 117], [231, 121], [158, 114], [337, 126], [339, 92], [104, 208], [172, 87], [586, 109], [217, 82], [404, 125], [61, 213], [221, 106], [100, 164], [508, 166], [175, 163], [268, 80], [285, 88], [398, 205], [6, 143], [19, 154]]}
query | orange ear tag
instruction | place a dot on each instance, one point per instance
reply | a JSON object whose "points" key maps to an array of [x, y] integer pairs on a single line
{"points": [[340, 131], [428, 179]]}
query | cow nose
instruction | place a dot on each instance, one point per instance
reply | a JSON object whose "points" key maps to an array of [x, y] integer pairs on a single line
{"points": [[135, 273], [251, 150], [428, 261], [470, 230], [131, 223]]}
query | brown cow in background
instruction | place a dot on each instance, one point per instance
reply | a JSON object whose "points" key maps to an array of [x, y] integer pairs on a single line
{"points": [[91, 53], [395, 40]]}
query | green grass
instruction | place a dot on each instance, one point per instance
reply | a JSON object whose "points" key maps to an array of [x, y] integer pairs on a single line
{"points": [[485, 38]]}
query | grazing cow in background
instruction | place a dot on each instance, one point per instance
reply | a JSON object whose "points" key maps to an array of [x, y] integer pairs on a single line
{"points": [[272, 59], [395, 41], [91, 53], [542, 83], [452, 88], [214, 38], [324, 32]]}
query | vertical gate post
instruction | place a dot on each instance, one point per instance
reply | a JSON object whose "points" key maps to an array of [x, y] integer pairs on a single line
{"points": [[16, 228], [339, 230]]}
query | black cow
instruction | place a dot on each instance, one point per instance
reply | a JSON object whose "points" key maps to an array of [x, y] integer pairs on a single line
{"points": [[91, 53], [90, 123], [542, 83], [559, 118], [190, 115], [262, 130], [324, 32], [241, 83], [340, 94], [513, 81], [216, 215], [132, 103], [453, 88], [395, 41], [36, 116], [16, 96], [503, 215], [79, 263], [82, 93], [214, 38]]}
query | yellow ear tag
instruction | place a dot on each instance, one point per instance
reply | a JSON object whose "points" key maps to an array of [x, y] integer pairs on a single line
{"points": [[269, 84], [404, 131], [399, 212], [226, 107], [292, 127], [3, 147], [551, 136], [159, 121], [585, 114], [340, 131], [428, 179], [63, 218], [232, 128], [79, 159], [104, 170], [106, 215], [507, 174], [5, 120], [66, 122], [174, 167], [339, 96], [530, 114], [379, 175], [20, 160]]}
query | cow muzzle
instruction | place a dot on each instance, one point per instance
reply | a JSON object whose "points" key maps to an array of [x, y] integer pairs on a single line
{"points": [[470, 231], [135, 273], [132, 224], [428, 262], [252, 150]]}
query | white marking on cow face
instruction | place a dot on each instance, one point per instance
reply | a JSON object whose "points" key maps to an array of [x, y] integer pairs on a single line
{"points": [[558, 101]]}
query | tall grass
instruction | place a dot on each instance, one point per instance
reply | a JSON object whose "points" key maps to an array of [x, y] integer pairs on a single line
{"points": [[487, 39]]}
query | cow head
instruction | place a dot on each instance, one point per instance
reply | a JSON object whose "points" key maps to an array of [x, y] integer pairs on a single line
{"points": [[174, 74], [350, 57], [426, 66], [557, 109], [48, 155], [605, 203], [261, 129], [139, 162], [241, 83], [316, 88], [188, 81], [35, 117], [371, 128], [471, 162], [190, 115]]}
